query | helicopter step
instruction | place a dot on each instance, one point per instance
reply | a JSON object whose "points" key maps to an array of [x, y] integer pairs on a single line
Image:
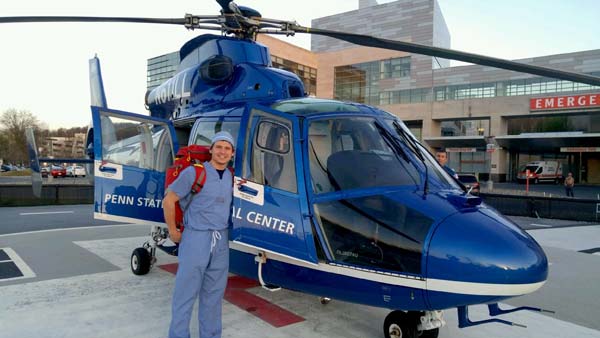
{"points": [[261, 258]]}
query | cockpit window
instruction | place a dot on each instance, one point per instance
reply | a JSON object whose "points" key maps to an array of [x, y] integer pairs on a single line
{"points": [[353, 152], [374, 232]]}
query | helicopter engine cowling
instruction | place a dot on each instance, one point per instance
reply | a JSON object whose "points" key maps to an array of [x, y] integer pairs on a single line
{"points": [[219, 70]]}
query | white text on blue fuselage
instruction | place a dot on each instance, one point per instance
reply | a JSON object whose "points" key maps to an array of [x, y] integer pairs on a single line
{"points": [[266, 221], [130, 200]]}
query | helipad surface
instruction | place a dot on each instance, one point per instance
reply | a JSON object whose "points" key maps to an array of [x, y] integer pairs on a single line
{"points": [[120, 304]]}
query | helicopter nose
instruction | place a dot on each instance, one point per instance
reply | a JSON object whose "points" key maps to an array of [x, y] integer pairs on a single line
{"points": [[481, 256]]}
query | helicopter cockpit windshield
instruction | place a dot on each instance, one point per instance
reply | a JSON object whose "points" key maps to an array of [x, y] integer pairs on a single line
{"points": [[433, 168], [354, 152]]}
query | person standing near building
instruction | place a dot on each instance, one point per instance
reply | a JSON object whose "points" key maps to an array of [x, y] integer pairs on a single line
{"points": [[442, 158], [204, 245], [569, 184]]}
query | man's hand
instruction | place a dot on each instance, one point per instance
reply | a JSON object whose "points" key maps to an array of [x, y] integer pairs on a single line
{"points": [[175, 236], [169, 212], [241, 182]]}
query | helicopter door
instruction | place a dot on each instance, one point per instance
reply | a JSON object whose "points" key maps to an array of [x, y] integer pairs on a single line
{"points": [[270, 209], [132, 153]]}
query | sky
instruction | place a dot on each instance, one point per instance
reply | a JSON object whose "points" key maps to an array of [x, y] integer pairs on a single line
{"points": [[44, 67]]}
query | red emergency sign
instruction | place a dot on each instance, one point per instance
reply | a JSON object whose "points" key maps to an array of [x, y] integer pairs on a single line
{"points": [[565, 102]]}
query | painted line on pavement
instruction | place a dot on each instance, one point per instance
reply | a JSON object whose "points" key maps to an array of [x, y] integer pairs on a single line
{"points": [[65, 229], [541, 225], [237, 295], [24, 269], [46, 213]]}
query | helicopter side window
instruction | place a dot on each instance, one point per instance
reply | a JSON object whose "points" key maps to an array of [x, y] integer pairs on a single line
{"points": [[143, 145], [272, 160], [374, 232]]}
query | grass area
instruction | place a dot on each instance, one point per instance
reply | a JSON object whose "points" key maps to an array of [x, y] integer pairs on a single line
{"points": [[26, 172]]}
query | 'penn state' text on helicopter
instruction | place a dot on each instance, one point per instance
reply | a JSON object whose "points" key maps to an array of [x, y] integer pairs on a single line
{"points": [[363, 203]]}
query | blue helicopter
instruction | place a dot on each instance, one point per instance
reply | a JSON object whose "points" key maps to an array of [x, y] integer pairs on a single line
{"points": [[327, 194]]}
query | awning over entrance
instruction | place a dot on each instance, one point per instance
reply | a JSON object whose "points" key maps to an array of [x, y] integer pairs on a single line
{"points": [[547, 142], [456, 142]]}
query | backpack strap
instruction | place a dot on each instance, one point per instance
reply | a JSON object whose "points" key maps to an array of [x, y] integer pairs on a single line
{"points": [[200, 178]]}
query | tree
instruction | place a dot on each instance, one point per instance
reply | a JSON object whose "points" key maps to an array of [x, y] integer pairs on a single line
{"points": [[14, 122], [3, 147]]}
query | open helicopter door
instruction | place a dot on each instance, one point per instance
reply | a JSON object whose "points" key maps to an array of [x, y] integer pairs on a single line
{"points": [[132, 153], [271, 215]]}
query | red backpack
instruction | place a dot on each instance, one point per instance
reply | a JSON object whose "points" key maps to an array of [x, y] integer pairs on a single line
{"points": [[191, 155]]}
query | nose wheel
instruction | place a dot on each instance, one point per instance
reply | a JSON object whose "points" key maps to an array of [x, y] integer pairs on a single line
{"points": [[140, 261], [400, 324]]}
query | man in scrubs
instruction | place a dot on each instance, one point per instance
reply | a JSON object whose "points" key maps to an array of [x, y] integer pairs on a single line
{"points": [[204, 245]]}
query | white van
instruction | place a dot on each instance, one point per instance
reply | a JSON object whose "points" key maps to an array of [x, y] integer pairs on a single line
{"points": [[541, 171]]}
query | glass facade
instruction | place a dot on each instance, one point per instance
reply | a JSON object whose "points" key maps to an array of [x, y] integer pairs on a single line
{"points": [[533, 86], [360, 82], [477, 163], [161, 68], [307, 74], [416, 128], [466, 128], [586, 123]]}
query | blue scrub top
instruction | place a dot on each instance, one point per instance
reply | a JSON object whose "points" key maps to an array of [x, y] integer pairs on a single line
{"points": [[210, 209]]}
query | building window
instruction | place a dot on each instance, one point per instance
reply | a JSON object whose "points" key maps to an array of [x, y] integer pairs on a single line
{"points": [[532, 86], [360, 82], [586, 123], [161, 68], [466, 127], [307, 74]]}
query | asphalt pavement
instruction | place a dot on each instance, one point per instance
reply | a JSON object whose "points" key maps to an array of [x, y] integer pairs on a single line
{"points": [[23, 219]]}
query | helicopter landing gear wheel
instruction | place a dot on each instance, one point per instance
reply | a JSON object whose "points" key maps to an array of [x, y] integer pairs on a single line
{"points": [[140, 261], [399, 324]]}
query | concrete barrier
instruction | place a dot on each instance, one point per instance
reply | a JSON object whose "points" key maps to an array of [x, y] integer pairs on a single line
{"points": [[22, 195], [544, 207]]}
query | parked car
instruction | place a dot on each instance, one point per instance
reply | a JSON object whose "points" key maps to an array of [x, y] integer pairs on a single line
{"points": [[58, 171], [75, 171], [44, 171], [5, 167], [470, 182]]}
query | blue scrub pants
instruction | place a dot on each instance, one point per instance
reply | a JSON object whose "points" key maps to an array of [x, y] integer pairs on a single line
{"points": [[201, 274]]}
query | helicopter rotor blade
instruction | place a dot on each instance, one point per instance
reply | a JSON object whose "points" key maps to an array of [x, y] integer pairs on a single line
{"points": [[32, 19], [370, 41]]}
